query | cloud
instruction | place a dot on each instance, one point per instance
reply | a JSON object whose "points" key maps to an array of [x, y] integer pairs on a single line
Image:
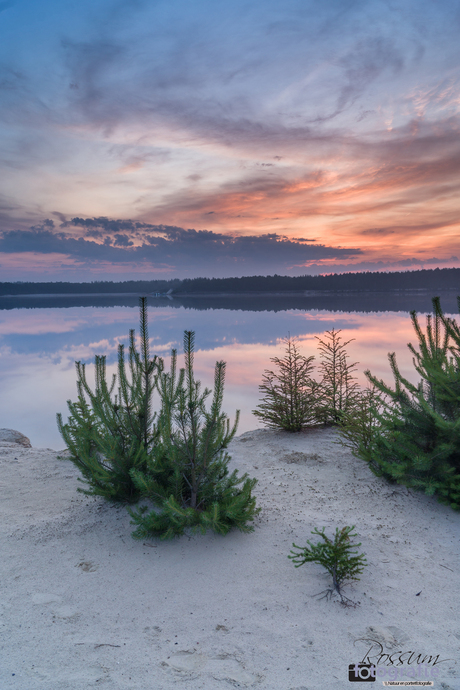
{"points": [[47, 242], [338, 121], [122, 241], [376, 177], [89, 64], [363, 64], [403, 264], [170, 246], [410, 229], [107, 225]]}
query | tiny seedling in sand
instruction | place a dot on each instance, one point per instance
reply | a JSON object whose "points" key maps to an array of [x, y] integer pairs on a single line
{"points": [[339, 556]]}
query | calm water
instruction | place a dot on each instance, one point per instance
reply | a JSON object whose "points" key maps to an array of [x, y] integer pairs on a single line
{"points": [[40, 344]]}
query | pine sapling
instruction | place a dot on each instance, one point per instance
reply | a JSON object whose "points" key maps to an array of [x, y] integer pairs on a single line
{"points": [[187, 478], [417, 438], [360, 424], [111, 429], [339, 556]]}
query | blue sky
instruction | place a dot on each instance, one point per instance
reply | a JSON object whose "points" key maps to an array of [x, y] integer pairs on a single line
{"points": [[176, 138]]}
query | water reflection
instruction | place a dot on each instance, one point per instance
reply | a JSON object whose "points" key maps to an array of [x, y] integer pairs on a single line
{"points": [[38, 348], [398, 300]]}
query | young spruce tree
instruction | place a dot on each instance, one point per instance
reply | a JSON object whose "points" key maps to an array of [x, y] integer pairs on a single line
{"points": [[338, 390], [289, 393], [338, 556]]}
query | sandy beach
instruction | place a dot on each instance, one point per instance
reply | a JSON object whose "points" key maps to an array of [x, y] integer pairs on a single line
{"points": [[83, 605]]}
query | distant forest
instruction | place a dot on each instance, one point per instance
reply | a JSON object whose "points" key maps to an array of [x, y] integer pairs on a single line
{"points": [[428, 279], [432, 279], [97, 287]]}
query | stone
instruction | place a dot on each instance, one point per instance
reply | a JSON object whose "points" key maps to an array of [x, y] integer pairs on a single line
{"points": [[12, 436]]}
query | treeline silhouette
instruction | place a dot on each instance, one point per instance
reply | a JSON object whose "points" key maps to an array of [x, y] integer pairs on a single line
{"points": [[431, 280], [97, 287], [426, 279]]}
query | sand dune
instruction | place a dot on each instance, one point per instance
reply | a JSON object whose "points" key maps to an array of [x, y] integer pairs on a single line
{"points": [[86, 606]]}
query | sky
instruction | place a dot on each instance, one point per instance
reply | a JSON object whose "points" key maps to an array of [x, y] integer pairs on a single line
{"points": [[169, 138]]}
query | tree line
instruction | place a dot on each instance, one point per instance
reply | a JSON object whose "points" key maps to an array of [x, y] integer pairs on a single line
{"points": [[96, 287], [425, 279]]}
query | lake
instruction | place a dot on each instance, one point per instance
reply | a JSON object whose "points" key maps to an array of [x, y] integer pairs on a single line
{"points": [[42, 337]]}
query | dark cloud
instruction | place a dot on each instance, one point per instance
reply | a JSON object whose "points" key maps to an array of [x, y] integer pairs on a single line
{"points": [[60, 216], [122, 241], [46, 224], [104, 224], [42, 241], [169, 245]]}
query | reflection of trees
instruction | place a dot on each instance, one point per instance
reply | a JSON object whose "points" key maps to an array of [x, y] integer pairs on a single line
{"points": [[334, 302]]}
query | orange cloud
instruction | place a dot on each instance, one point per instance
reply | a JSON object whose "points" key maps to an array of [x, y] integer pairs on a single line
{"points": [[131, 167]]}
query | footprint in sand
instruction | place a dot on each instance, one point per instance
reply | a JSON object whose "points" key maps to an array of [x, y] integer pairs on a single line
{"points": [[390, 637], [222, 667], [87, 566], [52, 675], [68, 613]]}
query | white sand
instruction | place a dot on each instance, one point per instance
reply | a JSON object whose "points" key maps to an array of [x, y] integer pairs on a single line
{"points": [[85, 606]]}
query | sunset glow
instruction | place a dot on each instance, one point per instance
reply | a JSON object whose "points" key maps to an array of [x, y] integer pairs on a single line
{"points": [[176, 139]]}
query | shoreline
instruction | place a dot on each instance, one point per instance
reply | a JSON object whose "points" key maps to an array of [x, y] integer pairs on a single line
{"points": [[255, 293]]}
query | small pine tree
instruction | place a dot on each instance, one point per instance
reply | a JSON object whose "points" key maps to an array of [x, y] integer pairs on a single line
{"points": [[417, 442], [187, 477], [289, 393], [338, 390], [109, 435], [359, 424], [337, 556]]}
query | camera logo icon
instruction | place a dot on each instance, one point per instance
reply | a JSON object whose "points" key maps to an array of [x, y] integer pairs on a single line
{"points": [[361, 673]]}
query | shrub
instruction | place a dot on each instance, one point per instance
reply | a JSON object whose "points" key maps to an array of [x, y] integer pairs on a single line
{"points": [[109, 435], [360, 424], [293, 399], [289, 394], [187, 477], [417, 440], [338, 391], [337, 556], [176, 459]]}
